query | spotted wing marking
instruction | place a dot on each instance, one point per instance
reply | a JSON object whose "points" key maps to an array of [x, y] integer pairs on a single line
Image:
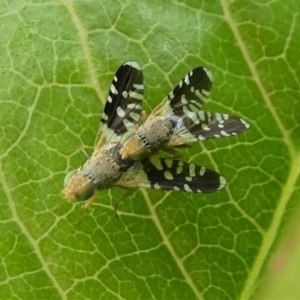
{"points": [[123, 107], [188, 96], [202, 125], [169, 174]]}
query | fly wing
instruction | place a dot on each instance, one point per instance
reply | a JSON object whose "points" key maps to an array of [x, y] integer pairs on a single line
{"points": [[202, 125], [169, 174], [188, 96], [183, 107], [123, 107]]}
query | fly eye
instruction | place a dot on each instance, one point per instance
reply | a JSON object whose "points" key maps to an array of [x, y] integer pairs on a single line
{"points": [[68, 177], [85, 192]]}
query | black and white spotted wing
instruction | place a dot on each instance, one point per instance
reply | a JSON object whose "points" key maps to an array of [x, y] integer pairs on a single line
{"points": [[169, 174], [202, 125], [189, 95], [183, 107], [123, 107], [124, 102]]}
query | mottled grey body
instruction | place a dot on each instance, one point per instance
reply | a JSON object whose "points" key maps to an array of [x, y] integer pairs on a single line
{"points": [[102, 170], [155, 133]]}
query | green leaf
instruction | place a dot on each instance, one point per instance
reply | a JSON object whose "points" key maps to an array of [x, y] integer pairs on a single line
{"points": [[57, 59]]}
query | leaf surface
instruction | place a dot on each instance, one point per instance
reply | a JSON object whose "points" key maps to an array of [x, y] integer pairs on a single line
{"points": [[57, 59]]}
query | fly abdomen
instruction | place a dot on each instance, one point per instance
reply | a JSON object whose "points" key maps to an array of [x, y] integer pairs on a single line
{"points": [[155, 133]]}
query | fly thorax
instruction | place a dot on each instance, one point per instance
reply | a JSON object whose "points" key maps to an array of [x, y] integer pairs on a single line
{"points": [[133, 147], [102, 170], [155, 133]]}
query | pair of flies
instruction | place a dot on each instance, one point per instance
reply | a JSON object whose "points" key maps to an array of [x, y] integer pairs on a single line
{"points": [[128, 141]]}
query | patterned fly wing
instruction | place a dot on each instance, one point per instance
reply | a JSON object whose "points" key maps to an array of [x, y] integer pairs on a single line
{"points": [[169, 174], [123, 107], [124, 102], [189, 95], [202, 125], [189, 123]]}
